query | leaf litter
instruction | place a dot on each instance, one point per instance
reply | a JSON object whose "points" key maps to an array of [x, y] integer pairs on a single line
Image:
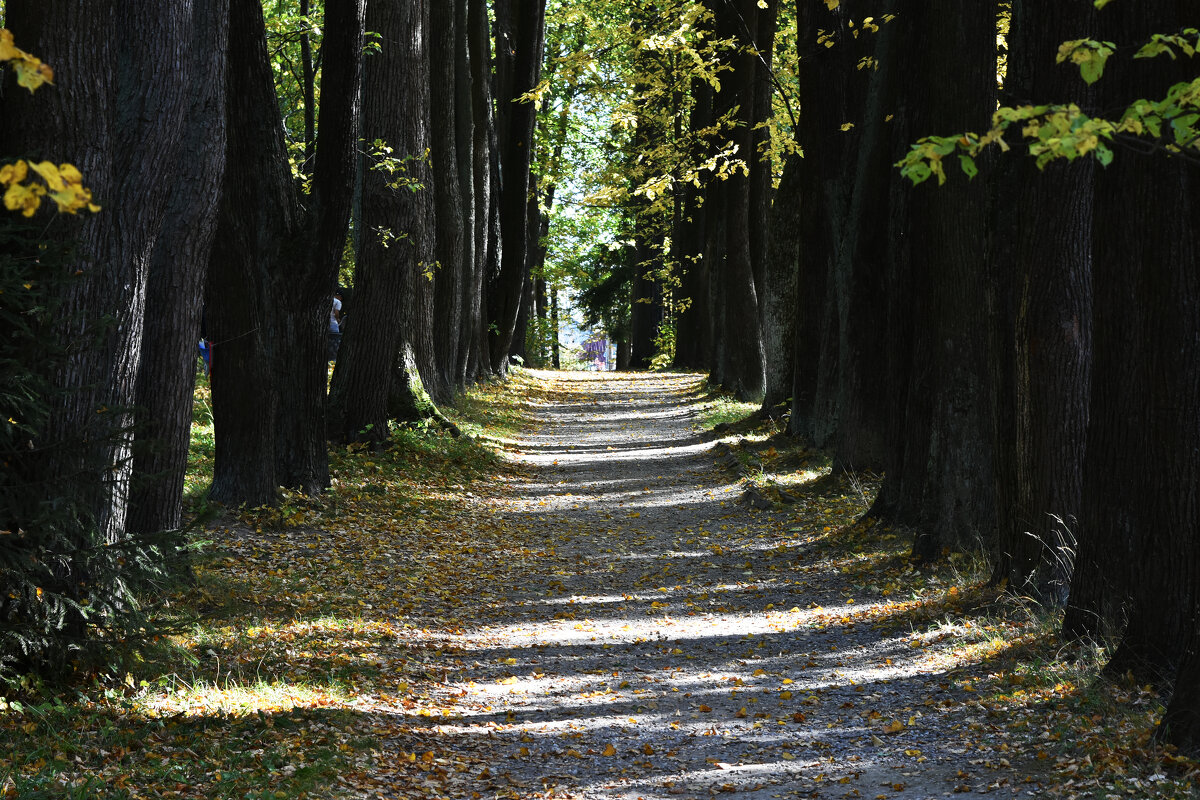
{"points": [[593, 615]]}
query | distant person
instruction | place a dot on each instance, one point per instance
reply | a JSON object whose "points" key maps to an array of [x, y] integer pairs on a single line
{"points": [[335, 326]]}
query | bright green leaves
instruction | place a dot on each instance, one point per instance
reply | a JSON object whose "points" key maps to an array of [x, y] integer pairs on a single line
{"points": [[1088, 54], [1052, 132], [1187, 41], [925, 158]]}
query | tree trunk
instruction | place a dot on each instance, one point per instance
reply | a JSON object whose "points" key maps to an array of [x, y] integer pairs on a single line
{"points": [[743, 371], [955, 490], [1040, 298], [823, 74], [520, 30], [448, 195], [275, 266], [118, 114], [175, 290], [1141, 490], [691, 331], [392, 292], [487, 246], [464, 137], [778, 308], [863, 247]]}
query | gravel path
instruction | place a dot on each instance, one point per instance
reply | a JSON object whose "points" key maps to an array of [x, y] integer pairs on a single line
{"points": [[686, 646]]}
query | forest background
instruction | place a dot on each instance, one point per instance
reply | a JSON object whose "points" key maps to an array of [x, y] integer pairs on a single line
{"points": [[740, 187]]}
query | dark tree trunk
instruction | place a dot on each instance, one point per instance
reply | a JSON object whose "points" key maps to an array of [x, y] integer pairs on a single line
{"points": [[1040, 310], [646, 313], [483, 170], [280, 256], [520, 29], [761, 177], [175, 289], [691, 331], [449, 273], [743, 368], [951, 421], [863, 249], [1141, 490], [392, 291], [464, 139], [118, 114], [778, 307], [555, 355], [823, 75]]}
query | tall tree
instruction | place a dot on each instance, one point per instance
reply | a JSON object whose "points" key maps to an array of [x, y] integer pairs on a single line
{"points": [[376, 376], [275, 265], [175, 285], [742, 369], [1137, 543], [118, 114], [1040, 318], [520, 38], [451, 232]]}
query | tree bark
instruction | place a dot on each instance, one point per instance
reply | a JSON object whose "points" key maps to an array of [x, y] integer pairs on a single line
{"points": [[175, 289], [449, 275], [949, 421], [1141, 488], [778, 308], [863, 247], [1040, 319], [520, 30], [118, 114], [743, 370], [275, 265], [392, 310]]}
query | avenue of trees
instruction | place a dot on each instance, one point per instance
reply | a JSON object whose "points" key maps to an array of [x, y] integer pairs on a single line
{"points": [[816, 202]]}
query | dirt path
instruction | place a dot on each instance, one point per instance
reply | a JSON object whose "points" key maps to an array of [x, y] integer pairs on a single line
{"points": [[685, 646]]}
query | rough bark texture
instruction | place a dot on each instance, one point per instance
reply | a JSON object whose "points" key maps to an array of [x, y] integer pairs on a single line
{"points": [[1040, 318], [863, 248], [742, 363], [780, 273], [274, 266], [464, 144], [117, 114], [948, 254], [487, 247], [1141, 491], [520, 29], [691, 332], [450, 273], [392, 293], [823, 77], [175, 290]]}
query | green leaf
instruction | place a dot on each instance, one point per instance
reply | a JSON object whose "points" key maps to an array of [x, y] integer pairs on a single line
{"points": [[968, 166]]}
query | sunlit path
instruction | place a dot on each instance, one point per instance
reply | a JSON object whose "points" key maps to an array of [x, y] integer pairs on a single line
{"points": [[675, 643]]}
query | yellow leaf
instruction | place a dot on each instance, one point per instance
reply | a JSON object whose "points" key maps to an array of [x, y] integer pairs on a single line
{"points": [[609, 751], [32, 73], [785, 695], [832, 4], [647, 749], [895, 726], [8, 50], [13, 173], [705, 708]]}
